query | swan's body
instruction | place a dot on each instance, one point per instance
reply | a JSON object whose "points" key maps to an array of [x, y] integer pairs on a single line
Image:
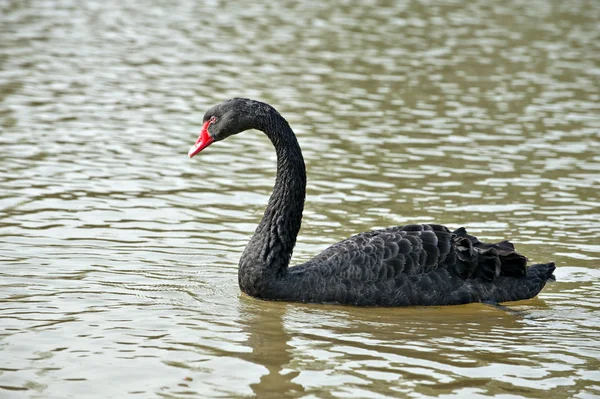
{"points": [[400, 266]]}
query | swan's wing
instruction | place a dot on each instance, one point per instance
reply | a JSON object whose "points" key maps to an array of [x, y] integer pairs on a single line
{"points": [[411, 250], [384, 254], [479, 259]]}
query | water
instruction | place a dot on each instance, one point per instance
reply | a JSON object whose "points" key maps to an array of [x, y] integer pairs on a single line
{"points": [[118, 254]]}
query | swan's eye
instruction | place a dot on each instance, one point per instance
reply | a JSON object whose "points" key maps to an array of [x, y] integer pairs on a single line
{"points": [[212, 119]]}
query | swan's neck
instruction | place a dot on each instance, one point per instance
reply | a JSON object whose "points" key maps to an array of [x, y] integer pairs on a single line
{"points": [[268, 253]]}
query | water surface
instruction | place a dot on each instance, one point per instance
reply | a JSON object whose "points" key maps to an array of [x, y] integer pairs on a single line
{"points": [[118, 254]]}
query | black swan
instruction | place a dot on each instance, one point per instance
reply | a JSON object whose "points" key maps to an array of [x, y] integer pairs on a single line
{"points": [[419, 264]]}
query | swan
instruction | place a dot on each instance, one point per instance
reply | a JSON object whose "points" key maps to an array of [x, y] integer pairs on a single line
{"points": [[412, 265]]}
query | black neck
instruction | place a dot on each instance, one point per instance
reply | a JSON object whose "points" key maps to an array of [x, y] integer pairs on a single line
{"points": [[269, 251]]}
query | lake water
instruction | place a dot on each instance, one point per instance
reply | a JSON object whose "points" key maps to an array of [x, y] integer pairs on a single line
{"points": [[118, 254]]}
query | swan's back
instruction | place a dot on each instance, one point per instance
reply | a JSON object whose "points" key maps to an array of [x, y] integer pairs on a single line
{"points": [[423, 264]]}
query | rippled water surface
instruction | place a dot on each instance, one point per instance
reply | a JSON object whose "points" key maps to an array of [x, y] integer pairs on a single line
{"points": [[118, 254]]}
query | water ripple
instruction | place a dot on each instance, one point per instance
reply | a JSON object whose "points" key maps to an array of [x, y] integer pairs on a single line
{"points": [[119, 254]]}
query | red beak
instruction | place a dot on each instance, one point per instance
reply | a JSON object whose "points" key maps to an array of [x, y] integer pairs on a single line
{"points": [[203, 141]]}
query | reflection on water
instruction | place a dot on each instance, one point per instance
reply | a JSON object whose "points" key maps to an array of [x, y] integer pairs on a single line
{"points": [[119, 254]]}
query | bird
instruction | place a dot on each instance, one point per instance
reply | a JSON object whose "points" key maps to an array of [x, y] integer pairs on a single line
{"points": [[411, 265]]}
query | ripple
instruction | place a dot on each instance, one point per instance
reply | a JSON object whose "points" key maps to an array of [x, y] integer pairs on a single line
{"points": [[119, 254]]}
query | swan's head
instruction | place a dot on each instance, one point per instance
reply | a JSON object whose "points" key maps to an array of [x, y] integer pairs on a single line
{"points": [[226, 119]]}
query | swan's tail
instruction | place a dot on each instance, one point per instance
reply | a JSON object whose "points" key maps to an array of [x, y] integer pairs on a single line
{"points": [[500, 265], [516, 289], [545, 271]]}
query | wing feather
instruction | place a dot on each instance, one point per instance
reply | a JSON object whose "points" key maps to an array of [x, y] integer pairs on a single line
{"points": [[416, 250]]}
